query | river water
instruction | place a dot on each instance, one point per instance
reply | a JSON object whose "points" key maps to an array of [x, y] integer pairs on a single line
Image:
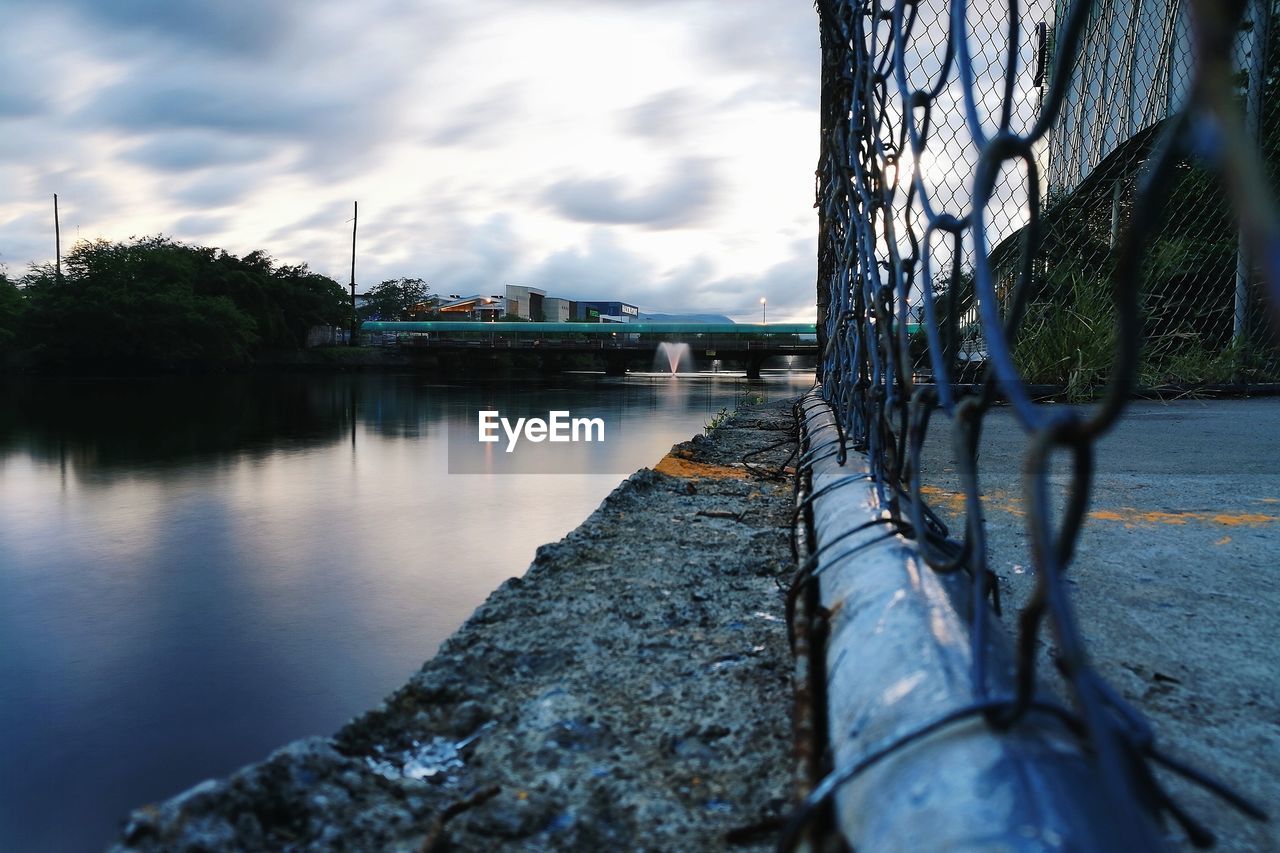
{"points": [[196, 571]]}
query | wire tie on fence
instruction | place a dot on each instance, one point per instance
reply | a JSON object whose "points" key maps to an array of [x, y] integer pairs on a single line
{"points": [[843, 775]]}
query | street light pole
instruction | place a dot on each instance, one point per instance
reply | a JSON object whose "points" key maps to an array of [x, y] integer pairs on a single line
{"points": [[763, 305]]}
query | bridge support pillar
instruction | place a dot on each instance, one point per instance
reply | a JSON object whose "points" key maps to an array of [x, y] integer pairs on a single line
{"points": [[615, 364], [754, 363]]}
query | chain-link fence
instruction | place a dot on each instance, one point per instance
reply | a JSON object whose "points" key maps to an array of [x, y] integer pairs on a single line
{"points": [[1047, 193], [1204, 315], [1204, 318]]}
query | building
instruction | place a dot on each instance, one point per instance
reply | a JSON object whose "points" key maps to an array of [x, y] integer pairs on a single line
{"points": [[606, 312], [556, 310], [532, 303], [1132, 70], [525, 302], [473, 308]]}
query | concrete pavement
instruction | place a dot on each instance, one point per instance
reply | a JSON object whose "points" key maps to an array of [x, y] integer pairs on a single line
{"points": [[1176, 581]]}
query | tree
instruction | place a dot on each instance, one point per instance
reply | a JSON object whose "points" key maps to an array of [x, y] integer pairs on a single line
{"points": [[130, 306], [282, 301], [156, 303], [398, 299], [11, 309]]}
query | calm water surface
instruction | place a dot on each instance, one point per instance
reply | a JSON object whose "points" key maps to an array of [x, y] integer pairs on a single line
{"points": [[193, 572]]}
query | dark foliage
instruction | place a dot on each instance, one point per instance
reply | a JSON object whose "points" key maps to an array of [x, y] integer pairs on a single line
{"points": [[11, 309], [154, 303]]}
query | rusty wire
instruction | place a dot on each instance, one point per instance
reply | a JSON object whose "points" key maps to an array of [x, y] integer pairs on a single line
{"points": [[909, 84]]}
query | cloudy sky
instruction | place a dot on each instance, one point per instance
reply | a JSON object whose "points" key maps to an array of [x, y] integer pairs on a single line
{"points": [[656, 151]]}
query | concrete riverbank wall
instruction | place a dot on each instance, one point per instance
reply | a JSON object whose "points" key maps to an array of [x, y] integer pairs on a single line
{"points": [[630, 691]]}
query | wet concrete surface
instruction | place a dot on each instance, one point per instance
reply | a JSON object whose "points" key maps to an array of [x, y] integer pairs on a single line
{"points": [[630, 691], [1176, 581]]}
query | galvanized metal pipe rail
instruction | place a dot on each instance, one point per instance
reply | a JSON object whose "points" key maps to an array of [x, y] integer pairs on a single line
{"points": [[915, 763]]}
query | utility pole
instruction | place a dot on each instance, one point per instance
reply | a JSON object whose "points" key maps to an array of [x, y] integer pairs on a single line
{"points": [[57, 237], [355, 214], [1259, 13]]}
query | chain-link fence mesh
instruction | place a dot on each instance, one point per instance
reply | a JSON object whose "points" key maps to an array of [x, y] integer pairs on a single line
{"points": [[1205, 320], [1204, 315], [1060, 193]]}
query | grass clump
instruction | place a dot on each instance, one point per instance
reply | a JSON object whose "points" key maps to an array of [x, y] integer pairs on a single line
{"points": [[1068, 338]]}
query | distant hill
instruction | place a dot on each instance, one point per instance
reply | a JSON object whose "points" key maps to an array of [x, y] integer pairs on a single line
{"points": [[683, 318]]}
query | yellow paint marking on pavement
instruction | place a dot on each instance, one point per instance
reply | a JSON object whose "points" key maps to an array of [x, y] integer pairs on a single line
{"points": [[1133, 515], [1243, 519], [1127, 515], [954, 501]]}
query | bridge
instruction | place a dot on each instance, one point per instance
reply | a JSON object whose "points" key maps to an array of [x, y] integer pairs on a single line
{"points": [[752, 343]]}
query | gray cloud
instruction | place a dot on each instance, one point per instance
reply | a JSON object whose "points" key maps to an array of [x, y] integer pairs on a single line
{"points": [[602, 269], [217, 190], [789, 285], [234, 26], [82, 196], [198, 225], [332, 217], [454, 248], [184, 151], [469, 129], [484, 121], [224, 112], [330, 96], [476, 259], [240, 106], [29, 71], [20, 138], [682, 199], [778, 51], [664, 117], [14, 104], [25, 239]]}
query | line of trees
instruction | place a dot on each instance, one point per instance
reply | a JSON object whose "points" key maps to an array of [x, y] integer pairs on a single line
{"points": [[156, 303]]}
